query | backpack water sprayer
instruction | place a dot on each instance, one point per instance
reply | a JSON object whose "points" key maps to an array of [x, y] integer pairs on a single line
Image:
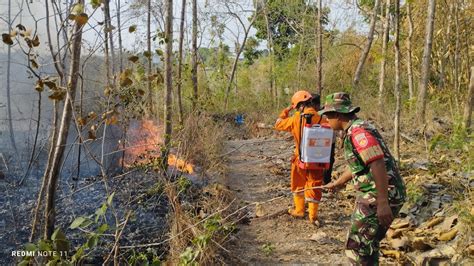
{"points": [[316, 145]]}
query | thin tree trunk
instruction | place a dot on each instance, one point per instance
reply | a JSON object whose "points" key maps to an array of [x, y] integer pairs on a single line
{"points": [[368, 44], [168, 83], [456, 50], [44, 183], [119, 30], [396, 140], [148, 69], [194, 59], [110, 39], [319, 64], [386, 29], [411, 89], [180, 61], [236, 61], [9, 104], [426, 64], [469, 102], [271, 54], [63, 130]]}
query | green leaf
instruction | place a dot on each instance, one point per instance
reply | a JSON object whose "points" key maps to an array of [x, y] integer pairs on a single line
{"points": [[76, 257], [52, 263], [24, 262], [132, 28], [77, 9], [77, 222], [147, 54], [58, 235], [95, 3], [102, 228], [110, 198], [102, 210], [44, 246], [30, 247], [92, 241]]}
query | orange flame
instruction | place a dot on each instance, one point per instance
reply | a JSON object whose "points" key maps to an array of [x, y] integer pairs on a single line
{"points": [[143, 146]]}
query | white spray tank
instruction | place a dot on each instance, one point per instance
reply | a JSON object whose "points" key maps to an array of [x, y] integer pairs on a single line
{"points": [[315, 146]]}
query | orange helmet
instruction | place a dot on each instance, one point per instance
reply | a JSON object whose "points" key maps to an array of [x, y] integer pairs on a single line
{"points": [[300, 96]]}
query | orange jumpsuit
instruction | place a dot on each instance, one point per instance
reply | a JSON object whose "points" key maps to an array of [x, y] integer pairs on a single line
{"points": [[301, 178]]}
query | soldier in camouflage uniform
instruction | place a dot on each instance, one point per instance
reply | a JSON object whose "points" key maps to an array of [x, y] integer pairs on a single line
{"points": [[374, 174]]}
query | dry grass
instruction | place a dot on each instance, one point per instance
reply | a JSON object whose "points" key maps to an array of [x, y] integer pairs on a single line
{"points": [[201, 141]]}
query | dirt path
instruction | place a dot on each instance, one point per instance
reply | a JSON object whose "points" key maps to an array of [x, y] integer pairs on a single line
{"points": [[258, 172]]}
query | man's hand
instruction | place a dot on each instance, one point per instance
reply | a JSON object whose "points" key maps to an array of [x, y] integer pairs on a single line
{"points": [[384, 214], [332, 187]]}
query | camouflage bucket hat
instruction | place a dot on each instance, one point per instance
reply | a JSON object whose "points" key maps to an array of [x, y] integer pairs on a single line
{"points": [[339, 102]]}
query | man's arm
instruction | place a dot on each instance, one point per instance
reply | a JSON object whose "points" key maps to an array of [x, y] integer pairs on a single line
{"points": [[384, 213], [341, 181], [283, 122]]}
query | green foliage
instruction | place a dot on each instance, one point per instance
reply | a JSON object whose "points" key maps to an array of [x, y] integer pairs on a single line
{"points": [[268, 248], [59, 245], [285, 21], [144, 258], [211, 227], [183, 183], [415, 193]]}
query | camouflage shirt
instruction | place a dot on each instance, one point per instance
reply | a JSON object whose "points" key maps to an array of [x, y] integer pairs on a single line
{"points": [[362, 145]]}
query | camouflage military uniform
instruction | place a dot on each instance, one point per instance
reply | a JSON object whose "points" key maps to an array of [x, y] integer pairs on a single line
{"points": [[365, 233], [363, 145]]}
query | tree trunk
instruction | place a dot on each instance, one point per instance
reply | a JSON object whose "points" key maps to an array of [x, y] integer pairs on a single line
{"points": [[109, 30], [119, 30], [319, 64], [386, 30], [370, 38], [180, 61], [9, 104], [236, 61], [469, 102], [411, 90], [168, 83], [59, 147], [273, 92], [426, 63], [396, 140], [148, 69], [457, 51], [194, 59]]}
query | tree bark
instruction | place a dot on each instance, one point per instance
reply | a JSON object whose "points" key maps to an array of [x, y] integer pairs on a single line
{"points": [[8, 88], [119, 31], [469, 102], [426, 63], [273, 91], [411, 89], [59, 147], [148, 69], [180, 62], [168, 83], [319, 64], [368, 44], [194, 58], [386, 29], [396, 139]]}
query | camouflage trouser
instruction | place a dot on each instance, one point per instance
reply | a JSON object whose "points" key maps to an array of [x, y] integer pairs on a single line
{"points": [[365, 234]]}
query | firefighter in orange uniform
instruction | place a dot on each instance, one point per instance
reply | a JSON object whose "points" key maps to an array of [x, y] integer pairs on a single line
{"points": [[301, 178]]}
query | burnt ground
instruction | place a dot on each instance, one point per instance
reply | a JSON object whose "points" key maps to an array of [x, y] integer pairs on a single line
{"points": [[133, 191], [258, 173]]}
